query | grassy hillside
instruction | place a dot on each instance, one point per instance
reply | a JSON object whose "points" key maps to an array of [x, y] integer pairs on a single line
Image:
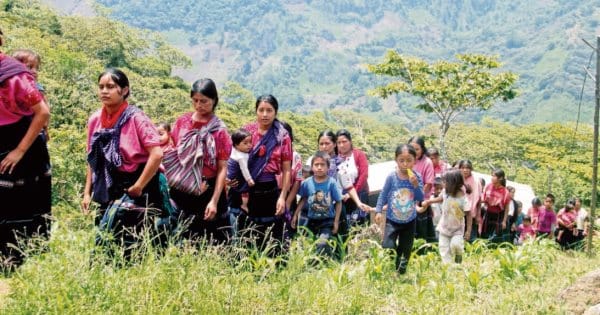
{"points": [[310, 52]]}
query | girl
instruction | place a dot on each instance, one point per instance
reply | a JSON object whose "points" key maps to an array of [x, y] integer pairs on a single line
{"points": [[565, 219], [452, 223], [439, 166], [402, 190], [496, 197], [132, 169], [164, 134], [322, 197], [23, 158], [473, 197], [534, 213]]}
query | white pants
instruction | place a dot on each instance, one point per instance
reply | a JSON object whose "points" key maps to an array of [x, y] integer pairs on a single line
{"points": [[450, 246]]}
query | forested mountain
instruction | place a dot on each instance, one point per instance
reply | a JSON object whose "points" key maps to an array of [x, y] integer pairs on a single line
{"points": [[310, 53]]}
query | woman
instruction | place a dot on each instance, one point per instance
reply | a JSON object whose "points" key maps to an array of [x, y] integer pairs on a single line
{"points": [[24, 161], [271, 155], [353, 171], [473, 197], [566, 218], [496, 199], [200, 137], [124, 156], [424, 166]]}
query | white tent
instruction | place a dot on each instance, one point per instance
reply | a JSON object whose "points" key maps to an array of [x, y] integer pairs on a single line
{"points": [[379, 171]]}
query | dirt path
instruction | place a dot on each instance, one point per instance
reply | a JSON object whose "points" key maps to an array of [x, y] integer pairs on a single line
{"points": [[583, 294]]}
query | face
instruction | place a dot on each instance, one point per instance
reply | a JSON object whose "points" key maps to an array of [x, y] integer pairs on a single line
{"points": [[405, 161], [163, 135], [265, 114], [466, 172], [33, 65], [246, 145], [326, 145], [319, 196], [526, 222], [111, 94], [577, 204], [344, 145], [435, 159], [437, 189], [495, 179], [319, 167], [417, 148], [511, 192], [203, 104], [548, 203]]}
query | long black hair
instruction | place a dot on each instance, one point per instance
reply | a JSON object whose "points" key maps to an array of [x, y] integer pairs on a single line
{"points": [[119, 77]]}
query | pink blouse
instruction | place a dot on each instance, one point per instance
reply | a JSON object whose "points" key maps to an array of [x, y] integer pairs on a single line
{"points": [[425, 167], [17, 95], [223, 144], [138, 135], [475, 195]]}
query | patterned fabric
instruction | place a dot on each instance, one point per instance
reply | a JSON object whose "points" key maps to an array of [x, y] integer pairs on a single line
{"points": [[18, 94], [184, 166], [401, 198], [496, 198], [269, 150], [10, 67], [265, 148], [105, 157]]}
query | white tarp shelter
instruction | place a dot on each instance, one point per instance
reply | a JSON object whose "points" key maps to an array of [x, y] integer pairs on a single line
{"points": [[379, 171]]}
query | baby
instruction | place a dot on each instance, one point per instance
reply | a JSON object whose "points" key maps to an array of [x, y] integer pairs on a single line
{"points": [[242, 145]]}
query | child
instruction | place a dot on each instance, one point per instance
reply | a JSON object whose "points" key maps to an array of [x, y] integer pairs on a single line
{"points": [[321, 195], [452, 223], [436, 207], [33, 61], [534, 213], [164, 133], [439, 166], [402, 190], [565, 219], [547, 217], [242, 145], [526, 231]]}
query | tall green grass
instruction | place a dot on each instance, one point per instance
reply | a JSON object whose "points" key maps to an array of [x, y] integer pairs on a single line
{"points": [[68, 279]]}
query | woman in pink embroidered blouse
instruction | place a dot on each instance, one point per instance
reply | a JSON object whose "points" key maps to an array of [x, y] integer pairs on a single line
{"points": [[123, 148], [204, 215], [473, 198], [25, 182], [496, 198], [271, 155]]}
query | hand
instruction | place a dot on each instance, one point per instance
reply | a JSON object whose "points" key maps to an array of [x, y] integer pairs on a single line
{"points": [[250, 183], [364, 207], [85, 204], [280, 207], [414, 181], [378, 218], [210, 212], [294, 222], [203, 187], [467, 235], [336, 226], [345, 197], [231, 182], [11, 160], [503, 225], [134, 191]]}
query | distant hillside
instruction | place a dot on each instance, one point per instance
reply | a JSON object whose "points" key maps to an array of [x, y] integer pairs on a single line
{"points": [[309, 53]]}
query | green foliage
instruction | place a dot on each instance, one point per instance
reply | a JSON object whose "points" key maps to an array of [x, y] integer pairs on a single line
{"points": [[310, 53], [68, 279], [446, 88]]}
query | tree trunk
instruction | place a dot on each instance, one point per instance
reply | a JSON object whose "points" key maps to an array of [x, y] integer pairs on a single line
{"points": [[444, 126]]}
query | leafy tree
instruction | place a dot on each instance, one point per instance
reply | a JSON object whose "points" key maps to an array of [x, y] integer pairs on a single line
{"points": [[447, 88]]}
